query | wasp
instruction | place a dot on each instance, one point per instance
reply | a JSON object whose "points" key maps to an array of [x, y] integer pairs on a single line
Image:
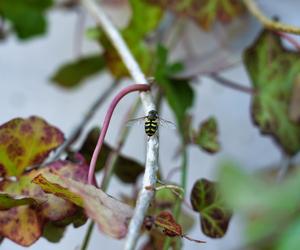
{"points": [[151, 122]]}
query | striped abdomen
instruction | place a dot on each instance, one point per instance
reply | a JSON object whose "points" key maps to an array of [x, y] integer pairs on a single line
{"points": [[150, 126]]}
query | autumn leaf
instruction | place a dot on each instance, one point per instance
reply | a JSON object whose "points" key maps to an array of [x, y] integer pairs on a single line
{"points": [[166, 221], [111, 215], [24, 223], [273, 71], [204, 12], [171, 228], [26, 142], [214, 216]]}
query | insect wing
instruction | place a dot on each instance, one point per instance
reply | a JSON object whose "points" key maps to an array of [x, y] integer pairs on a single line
{"points": [[137, 121], [166, 124]]}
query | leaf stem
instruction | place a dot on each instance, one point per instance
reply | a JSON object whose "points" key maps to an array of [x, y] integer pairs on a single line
{"points": [[151, 166], [87, 236], [118, 97], [290, 39], [87, 117], [114, 155], [267, 22], [177, 206]]}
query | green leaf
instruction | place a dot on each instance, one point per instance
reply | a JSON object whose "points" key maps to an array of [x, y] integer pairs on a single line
{"points": [[207, 201], [27, 17], [179, 93], [53, 233], [126, 169], [26, 142], [290, 239], [204, 12], [207, 136], [273, 71], [8, 201], [111, 215], [74, 73], [134, 35], [264, 204]]}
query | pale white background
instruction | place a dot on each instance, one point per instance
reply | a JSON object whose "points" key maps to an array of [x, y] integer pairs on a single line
{"points": [[25, 90]]}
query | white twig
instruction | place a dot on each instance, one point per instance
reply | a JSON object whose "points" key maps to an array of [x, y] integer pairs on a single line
{"points": [[151, 167]]}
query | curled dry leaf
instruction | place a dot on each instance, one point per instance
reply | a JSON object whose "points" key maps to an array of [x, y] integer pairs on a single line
{"points": [[171, 228], [111, 215]]}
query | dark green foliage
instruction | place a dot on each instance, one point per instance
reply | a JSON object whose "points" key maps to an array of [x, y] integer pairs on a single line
{"points": [[273, 71], [27, 17], [207, 201], [178, 93], [74, 73], [207, 136]]}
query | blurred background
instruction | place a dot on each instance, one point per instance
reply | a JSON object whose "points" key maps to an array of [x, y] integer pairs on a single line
{"points": [[26, 89]]}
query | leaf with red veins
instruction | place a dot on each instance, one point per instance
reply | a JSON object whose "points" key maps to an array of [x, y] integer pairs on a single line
{"points": [[26, 142], [24, 224], [111, 215], [21, 225]]}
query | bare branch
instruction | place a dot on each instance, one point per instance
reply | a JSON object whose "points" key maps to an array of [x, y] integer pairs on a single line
{"points": [[78, 129], [145, 196], [231, 84], [267, 22]]}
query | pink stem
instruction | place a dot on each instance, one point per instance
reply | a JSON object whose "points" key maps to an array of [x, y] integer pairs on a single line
{"points": [[290, 39], [118, 97]]}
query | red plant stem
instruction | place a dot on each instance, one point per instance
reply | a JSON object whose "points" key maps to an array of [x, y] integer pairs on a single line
{"points": [[290, 39], [118, 97]]}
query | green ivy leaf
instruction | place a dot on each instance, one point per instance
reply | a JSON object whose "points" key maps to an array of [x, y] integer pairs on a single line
{"points": [[27, 17], [207, 136], [263, 204], [26, 142], [72, 74], [273, 71], [126, 169], [8, 201], [179, 93], [207, 201], [204, 12], [290, 239]]}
